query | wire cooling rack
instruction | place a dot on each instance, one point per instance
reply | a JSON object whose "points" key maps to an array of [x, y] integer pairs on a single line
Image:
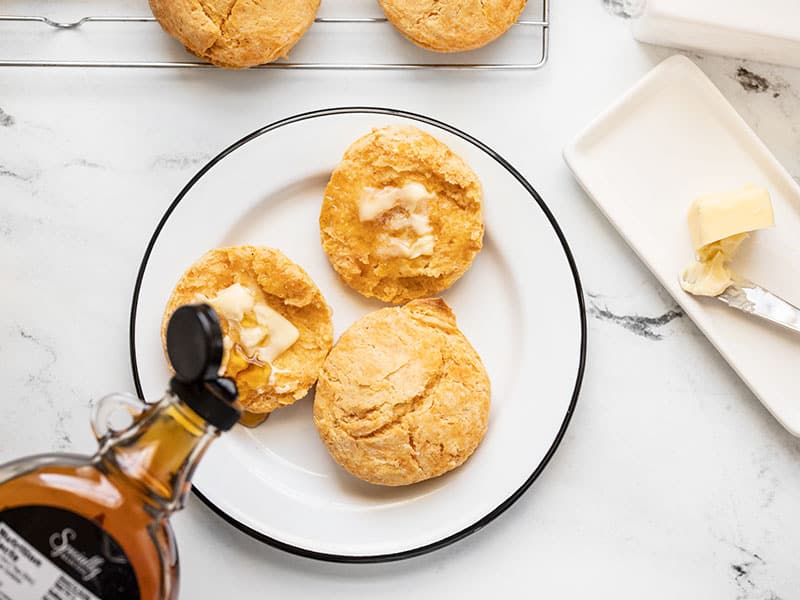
{"points": [[541, 48]]}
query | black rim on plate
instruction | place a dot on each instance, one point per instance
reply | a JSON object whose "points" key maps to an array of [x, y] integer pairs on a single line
{"points": [[342, 558]]}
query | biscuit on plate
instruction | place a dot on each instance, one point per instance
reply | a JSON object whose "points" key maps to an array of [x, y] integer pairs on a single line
{"points": [[452, 25], [403, 396], [236, 33], [402, 215], [277, 327]]}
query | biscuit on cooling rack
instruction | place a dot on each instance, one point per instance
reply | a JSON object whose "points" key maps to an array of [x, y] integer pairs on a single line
{"points": [[452, 25], [236, 33]]}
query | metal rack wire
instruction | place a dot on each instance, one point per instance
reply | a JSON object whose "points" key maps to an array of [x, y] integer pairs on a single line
{"points": [[542, 24]]}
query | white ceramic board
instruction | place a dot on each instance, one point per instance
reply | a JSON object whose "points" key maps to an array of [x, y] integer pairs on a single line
{"points": [[672, 137], [768, 30]]}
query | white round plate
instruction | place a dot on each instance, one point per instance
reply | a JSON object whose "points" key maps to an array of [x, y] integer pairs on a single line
{"points": [[520, 305]]}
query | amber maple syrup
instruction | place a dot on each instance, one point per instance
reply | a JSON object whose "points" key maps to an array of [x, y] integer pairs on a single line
{"points": [[74, 527]]}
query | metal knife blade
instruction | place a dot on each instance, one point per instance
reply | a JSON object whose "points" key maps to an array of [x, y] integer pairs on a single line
{"points": [[755, 300]]}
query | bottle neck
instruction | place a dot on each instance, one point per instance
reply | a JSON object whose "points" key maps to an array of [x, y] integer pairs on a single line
{"points": [[160, 452]]}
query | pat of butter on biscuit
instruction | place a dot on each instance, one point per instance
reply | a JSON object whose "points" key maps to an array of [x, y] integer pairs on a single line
{"points": [[718, 224], [413, 199], [268, 337]]}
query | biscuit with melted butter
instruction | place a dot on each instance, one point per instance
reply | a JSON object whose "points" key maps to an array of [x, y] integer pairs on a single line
{"points": [[283, 293], [402, 215], [403, 396]]}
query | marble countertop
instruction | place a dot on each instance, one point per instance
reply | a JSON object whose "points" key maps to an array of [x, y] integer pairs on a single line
{"points": [[672, 481]]}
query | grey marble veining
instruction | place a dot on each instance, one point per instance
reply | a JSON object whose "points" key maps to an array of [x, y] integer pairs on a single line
{"points": [[752, 82], [84, 163], [4, 172], [6, 120], [647, 327], [180, 161]]}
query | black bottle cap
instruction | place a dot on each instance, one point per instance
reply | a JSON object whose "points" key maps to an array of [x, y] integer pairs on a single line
{"points": [[194, 343], [195, 349]]}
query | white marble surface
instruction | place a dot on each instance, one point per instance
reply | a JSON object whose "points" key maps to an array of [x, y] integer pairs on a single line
{"points": [[672, 481]]}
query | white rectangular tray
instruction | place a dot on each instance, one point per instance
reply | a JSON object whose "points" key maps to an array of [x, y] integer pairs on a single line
{"points": [[672, 137], [767, 30]]}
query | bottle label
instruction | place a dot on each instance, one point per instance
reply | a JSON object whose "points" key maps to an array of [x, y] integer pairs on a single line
{"points": [[49, 553]]}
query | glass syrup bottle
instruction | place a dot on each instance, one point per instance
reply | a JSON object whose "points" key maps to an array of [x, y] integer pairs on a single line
{"points": [[97, 527]]}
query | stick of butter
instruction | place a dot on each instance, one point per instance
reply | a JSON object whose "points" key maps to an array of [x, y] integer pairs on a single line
{"points": [[718, 224], [717, 216]]}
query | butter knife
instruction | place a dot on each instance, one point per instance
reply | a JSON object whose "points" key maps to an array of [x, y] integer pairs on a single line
{"points": [[755, 300]]}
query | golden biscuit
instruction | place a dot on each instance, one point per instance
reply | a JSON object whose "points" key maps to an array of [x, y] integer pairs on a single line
{"points": [[401, 217], [403, 396], [236, 33], [277, 325], [452, 25]]}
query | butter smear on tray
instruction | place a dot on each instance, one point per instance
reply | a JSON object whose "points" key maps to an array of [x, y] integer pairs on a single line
{"points": [[718, 224]]}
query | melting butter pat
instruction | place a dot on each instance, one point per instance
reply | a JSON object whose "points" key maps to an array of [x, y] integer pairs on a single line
{"points": [[233, 302], [251, 337], [393, 246], [282, 334], [718, 224], [261, 332], [374, 202], [413, 199]]}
